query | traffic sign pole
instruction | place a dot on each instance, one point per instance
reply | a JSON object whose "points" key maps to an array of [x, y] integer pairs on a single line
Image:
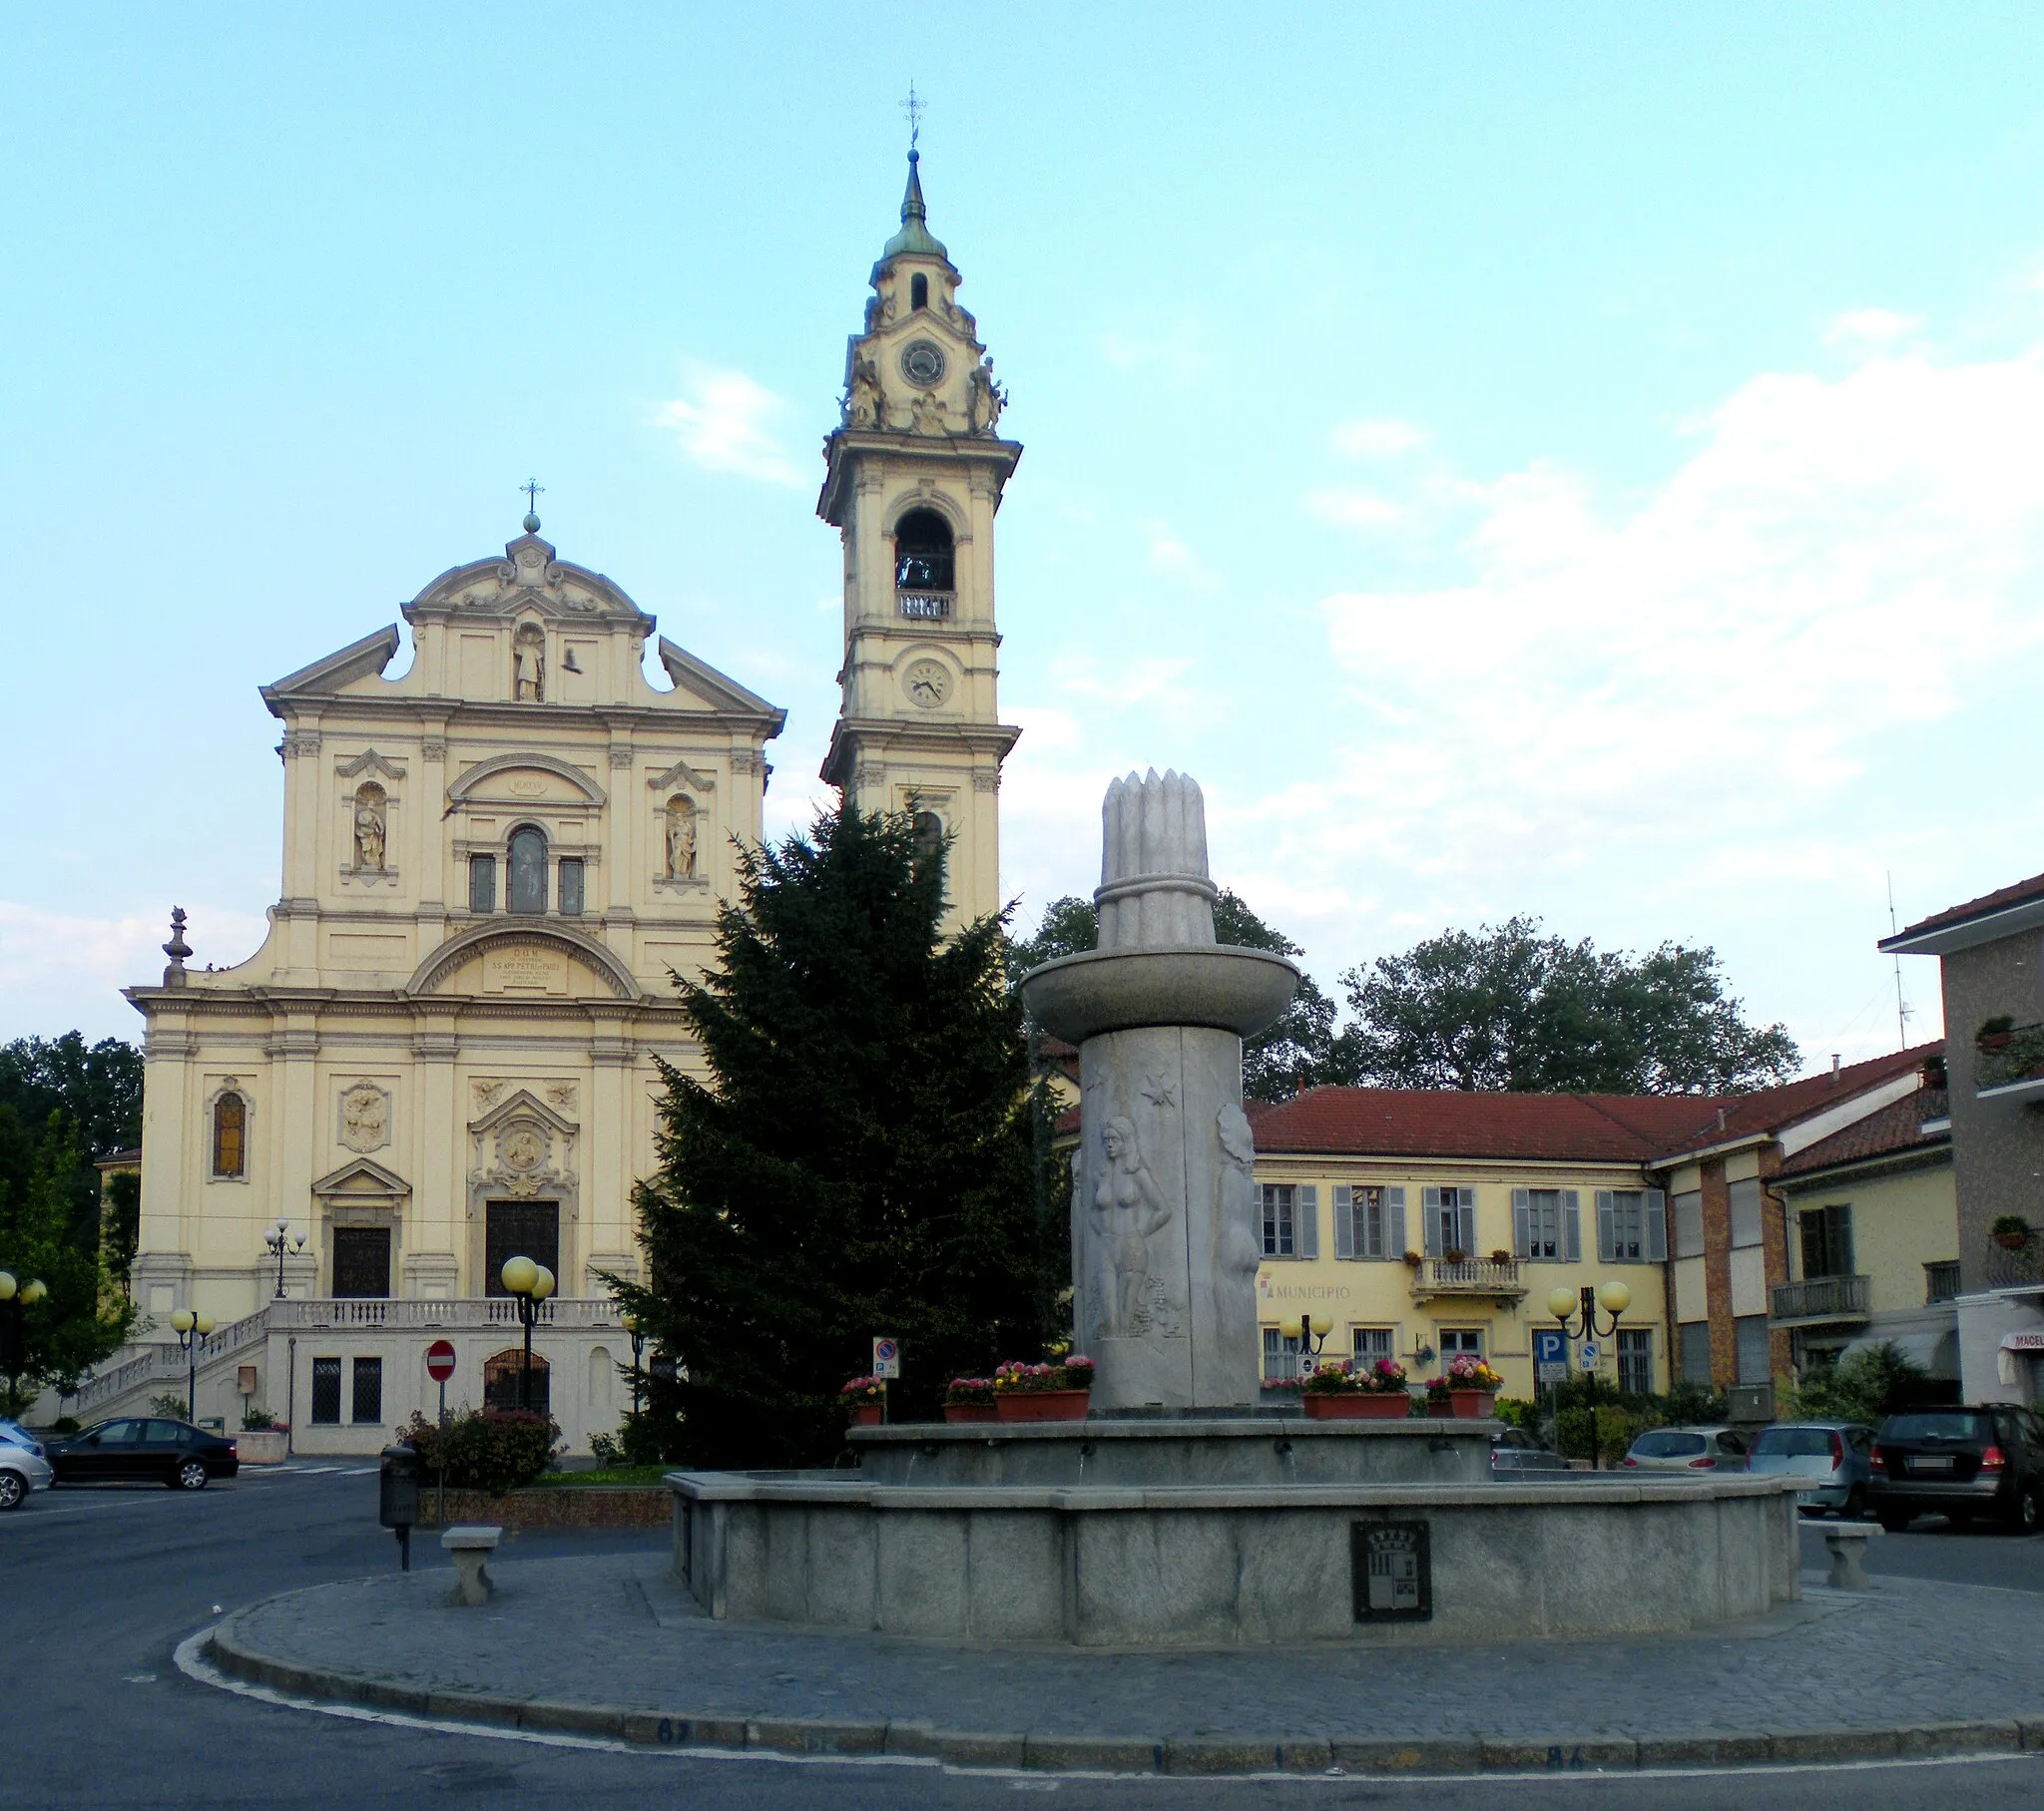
{"points": [[440, 1367]]}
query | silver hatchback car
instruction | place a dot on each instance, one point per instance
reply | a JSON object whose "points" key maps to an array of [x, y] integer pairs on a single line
{"points": [[1686, 1450], [22, 1466], [1832, 1459]]}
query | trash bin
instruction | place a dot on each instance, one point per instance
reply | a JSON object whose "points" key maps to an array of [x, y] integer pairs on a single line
{"points": [[398, 1496]]}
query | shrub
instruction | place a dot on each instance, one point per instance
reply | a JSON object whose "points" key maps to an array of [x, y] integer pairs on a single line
{"points": [[172, 1408], [65, 1424], [608, 1450], [487, 1449], [256, 1421], [1869, 1386]]}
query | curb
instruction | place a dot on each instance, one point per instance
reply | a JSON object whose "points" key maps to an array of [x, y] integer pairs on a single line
{"points": [[1049, 1753]]}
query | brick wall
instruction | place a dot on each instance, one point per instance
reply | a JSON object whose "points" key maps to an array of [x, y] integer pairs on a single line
{"points": [[1718, 1271]]}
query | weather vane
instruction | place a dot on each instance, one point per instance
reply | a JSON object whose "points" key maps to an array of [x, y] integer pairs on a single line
{"points": [[913, 109]]}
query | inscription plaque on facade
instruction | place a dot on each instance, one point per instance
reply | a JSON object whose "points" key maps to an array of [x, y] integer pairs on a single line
{"points": [[524, 971], [1392, 1572]]}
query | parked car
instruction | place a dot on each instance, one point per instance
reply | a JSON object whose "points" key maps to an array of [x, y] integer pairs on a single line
{"points": [[170, 1451], [1686, 1450], [1836, 1457], [23, 1468], [1514, 1451], [1960, 1464]]}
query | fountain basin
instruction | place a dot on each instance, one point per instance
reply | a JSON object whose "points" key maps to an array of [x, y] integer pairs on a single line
{"points": [[1218, 987]]}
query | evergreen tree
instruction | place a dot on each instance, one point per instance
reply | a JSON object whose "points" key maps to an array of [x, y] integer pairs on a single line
{"points": [[862, 1161]]}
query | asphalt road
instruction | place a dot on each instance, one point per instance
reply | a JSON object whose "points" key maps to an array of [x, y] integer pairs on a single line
{"points": [[100, 1585]]}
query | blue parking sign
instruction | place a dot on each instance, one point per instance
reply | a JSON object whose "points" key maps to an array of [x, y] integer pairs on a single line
{"points": [[1550, 1355]]}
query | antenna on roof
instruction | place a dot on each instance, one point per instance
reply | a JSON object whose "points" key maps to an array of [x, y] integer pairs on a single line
{"points": [[1901, 1010]]}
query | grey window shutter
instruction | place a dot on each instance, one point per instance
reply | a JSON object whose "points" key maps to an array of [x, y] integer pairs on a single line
{"points": [[1465, 1228], [1394, 1222], [1430, 1215], [1607, 1241], [1572, 1223], [1654, 1209], [1345, 1220], [1307, 1238], [1522, 1228]]}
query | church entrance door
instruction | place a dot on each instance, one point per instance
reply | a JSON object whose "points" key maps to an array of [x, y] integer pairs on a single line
{"points": [[361, 1260]]}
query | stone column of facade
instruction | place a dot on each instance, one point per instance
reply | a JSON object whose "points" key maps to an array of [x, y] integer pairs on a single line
{"points": [[1165, 1249]]}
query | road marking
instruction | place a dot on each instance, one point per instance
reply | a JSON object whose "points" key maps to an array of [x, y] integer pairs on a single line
{"points": [[192, 1662]]}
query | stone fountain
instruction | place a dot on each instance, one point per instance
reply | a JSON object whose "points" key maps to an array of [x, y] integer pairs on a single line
{"points": [[1182, 1512]]}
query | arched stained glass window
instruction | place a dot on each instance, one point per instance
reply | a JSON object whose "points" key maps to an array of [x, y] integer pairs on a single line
{"points": [[527, 888], [230, 1136]]}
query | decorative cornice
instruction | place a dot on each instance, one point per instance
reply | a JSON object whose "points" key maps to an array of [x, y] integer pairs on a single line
{"points": [[682, 774]]}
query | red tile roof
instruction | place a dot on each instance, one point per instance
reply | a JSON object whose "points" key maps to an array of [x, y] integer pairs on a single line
{"points": [[2000, 900], [1752, 1116], [1897, 1127], [1448, 1122]]}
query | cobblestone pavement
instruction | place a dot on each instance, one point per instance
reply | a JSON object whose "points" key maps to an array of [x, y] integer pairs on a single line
{"points": [[618, 1630]]}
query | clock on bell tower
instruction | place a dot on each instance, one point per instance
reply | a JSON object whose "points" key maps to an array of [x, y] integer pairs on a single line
{"points": [[916, 468]]}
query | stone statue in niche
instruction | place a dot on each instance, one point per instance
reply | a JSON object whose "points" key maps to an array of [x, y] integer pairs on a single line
{"points": [[1128, 1206], [988, 398], [865, 407], [680, 838], [529, 666], [370, 827]]}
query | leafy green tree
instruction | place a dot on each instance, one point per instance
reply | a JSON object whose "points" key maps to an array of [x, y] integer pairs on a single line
{"points": [[75, 1325], [1303, 1048], [1509, 1008], [1869, 1386], [97, 1087], [863, 1159]]}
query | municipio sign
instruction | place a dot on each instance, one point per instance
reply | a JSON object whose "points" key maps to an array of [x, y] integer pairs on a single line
{"points": [[886, 1358], [440, 1360]]}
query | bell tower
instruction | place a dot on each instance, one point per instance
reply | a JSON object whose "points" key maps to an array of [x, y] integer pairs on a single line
{"points": [[916, 467]]}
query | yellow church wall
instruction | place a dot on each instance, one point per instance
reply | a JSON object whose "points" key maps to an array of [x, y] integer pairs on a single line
{"points": [[1380, 1292]]}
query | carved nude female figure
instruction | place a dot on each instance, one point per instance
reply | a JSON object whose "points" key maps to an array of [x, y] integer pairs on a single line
{"points": [[1128, 1206]]}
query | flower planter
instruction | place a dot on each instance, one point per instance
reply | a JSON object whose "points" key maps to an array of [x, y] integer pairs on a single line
{"points": [[1373, 1405], [1473, 1405], [263, 1446], [1043, 1404], [2011, 1241], [865, 1413], [1993, 1040], [972, 1411]]}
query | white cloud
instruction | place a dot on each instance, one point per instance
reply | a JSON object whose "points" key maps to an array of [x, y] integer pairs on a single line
{"points": [[1871, 328], [1379, 438], [50, 961], [724, 423], [1352, 506], [1169, 554], [1702, 668]]}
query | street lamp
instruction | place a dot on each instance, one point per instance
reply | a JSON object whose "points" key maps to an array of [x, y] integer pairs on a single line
{"points": [[637, 1328], [192, 1328], [1310, 1330], [279, 1241], [530, 1284], [1578, 1317], [14, 1297]]}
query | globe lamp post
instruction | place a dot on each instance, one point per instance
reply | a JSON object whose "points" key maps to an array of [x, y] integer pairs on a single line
{"points": [[15, 1296], [1578, 1317], [529, 1285], [281, 1241], [192, 1329], [1310, 1330], [637, 1329]]}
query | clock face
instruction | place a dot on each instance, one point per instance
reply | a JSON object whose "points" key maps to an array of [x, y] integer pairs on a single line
{"points": [[922, 364], [927, 682]]}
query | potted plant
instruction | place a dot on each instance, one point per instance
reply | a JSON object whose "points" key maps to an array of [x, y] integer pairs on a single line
{"points": [[2010, 1231], [1340, 1392], [1456, 1255], [1471, 1387], [1052, 1392], [1276, 1389], [1413, 1260], [1994, 1033], [971, 1399], [865, 1401], [1500, 1256]]}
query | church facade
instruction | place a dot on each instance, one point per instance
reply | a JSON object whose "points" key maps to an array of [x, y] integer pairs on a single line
{"points": [[446, 1051]]}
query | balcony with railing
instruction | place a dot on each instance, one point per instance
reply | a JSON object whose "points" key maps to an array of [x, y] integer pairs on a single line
{"points": [[1940, 1282], [2008, 1064], [1481, 1278], [462, 1314], [1821, 1300], [926, 606]]}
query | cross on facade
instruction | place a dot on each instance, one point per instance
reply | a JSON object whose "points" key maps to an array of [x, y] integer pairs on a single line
{"points": [[913, 109], [532, 488]]}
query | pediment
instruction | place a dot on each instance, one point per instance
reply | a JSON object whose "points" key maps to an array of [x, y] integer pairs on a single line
{"points": [[701, 687], [525, 778], [530, 575], [533, 959], [525, 1105], [362, 659], [362, 1180]]}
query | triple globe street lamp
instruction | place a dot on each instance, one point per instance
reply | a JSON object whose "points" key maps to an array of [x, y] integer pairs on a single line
{"points": [[192, 1328], [15, 1296], [634, 1326], [529, 1285], [1578, 1317]]}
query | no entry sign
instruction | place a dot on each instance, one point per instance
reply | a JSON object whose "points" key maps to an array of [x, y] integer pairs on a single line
{"points": [[440, 1360]]}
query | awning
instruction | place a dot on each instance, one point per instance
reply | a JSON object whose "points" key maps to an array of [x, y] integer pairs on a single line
{"points": [[1936, 1352], [2015, 1348]]}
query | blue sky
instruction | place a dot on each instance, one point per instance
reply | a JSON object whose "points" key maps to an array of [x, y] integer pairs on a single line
{"points": [[1582, 461]]}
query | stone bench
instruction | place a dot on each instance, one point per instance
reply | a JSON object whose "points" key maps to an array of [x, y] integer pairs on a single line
{"points": [[1847, 1544], [471, 1547]]}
